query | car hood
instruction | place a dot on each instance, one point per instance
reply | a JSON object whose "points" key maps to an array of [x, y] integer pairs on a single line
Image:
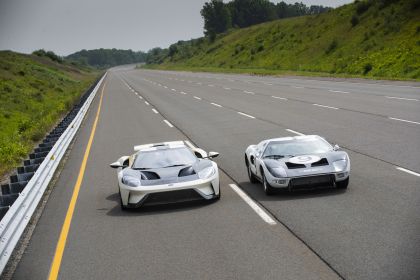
{"points": [[305, 165], [168, 175]]}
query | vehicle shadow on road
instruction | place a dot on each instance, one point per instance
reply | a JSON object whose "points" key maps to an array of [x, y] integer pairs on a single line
{"points": [[160, 209], [256, 191]]}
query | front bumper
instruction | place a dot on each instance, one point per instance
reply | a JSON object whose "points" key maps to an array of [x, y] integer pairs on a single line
{"points": [[169, 193], [308, 182]]}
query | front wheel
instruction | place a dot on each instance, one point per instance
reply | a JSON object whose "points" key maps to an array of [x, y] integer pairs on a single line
{"points": [[123, 208], [269, 190], [251, 175], [343, 184]]}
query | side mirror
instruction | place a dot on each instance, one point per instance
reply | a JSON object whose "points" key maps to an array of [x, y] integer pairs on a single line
{"points": [[116, 164], [213, 154], [336, 147]]}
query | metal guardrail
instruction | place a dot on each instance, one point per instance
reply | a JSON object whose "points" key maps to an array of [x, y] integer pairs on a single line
{"points": [[13, 224]]}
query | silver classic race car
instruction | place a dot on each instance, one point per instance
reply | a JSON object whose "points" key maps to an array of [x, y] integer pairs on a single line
{"points": [[166, 172], [298, 162]]}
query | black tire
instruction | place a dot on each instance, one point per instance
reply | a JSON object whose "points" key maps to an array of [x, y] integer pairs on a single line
{"points": [[217, 197], [269, 190], [251, 176], [343, 184]]}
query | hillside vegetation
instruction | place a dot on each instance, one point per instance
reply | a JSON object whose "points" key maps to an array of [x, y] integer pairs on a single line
{"points": [[35, 92], [104, 58], [368, 38]]}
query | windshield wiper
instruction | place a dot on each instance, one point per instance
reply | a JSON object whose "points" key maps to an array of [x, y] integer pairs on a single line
{"points": [[274, 156], [174, 165], [142, 168]]}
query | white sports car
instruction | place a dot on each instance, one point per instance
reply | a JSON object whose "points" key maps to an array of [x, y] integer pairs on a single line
{"points": [[165, 173], [298, 162]]}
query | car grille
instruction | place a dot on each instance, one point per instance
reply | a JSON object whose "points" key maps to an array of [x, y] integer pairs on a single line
{"points": [[172, 197], [311, 182]]}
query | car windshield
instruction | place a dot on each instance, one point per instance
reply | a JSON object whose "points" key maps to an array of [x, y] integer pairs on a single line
{"points": [[161, 158], [296, 147]]}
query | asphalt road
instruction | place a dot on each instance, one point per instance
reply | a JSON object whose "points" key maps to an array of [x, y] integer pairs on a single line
{"points": [[370, 231]]}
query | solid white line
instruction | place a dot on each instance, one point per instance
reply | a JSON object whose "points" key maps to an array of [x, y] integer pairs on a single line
{"points": [[324, 106], [168, 123], [338, 91], [189, 144], [147, 103], [183, 92], [278, 97], [215, 104], [196, 97], [266, 218], [401, 120], [155, 111], [401, 98], [250, 92], [295, 132], [246, 115], [408, 171]]}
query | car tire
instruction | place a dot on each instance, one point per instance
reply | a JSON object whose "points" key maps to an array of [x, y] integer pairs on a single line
{"points": [[269, 190], [217, 197], [251, 176], [343, 184]]}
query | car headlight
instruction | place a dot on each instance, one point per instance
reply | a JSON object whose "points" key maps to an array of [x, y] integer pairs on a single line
{"points": [[131, 181], [206, 172], [278, 172], [340, 165]]}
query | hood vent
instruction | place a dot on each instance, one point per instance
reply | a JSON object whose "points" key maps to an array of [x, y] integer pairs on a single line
{"points": [[187, 171], [148, 175], [321, 162], [294, 165]]}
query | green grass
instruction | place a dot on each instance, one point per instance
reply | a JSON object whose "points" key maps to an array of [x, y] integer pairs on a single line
{"points": [[384, 42], [35, 93]]}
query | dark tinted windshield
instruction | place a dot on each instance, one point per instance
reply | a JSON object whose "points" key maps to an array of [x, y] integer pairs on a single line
{"points": [[164, 158], [297, 147]]}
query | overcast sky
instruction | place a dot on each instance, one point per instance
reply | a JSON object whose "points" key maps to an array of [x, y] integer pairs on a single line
{"points": [[67, 26]]}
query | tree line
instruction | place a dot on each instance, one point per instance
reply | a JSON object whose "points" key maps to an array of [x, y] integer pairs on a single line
{"points": [[219, 16], [103, 58]]}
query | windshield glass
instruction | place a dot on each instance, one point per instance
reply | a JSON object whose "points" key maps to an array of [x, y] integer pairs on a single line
{"points": [[164, 158], [297, 147]]}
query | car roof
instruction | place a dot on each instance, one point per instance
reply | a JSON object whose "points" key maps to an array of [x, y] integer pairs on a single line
{"points": [[158, 146]]}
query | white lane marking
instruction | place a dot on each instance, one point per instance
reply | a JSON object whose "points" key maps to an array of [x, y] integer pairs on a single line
{"points": [[215, 104], [132, 90], [401, 98], [295, 132], [199, 84], [250, 92], [230, 80], [165, 86], [136, 93], [297, 87], [140, 97], [196, 97], [173, 89], [189, 144], [278, 97], [147, 103], [408, 171], [226, 88], [155, 111], [210, 85], [168, 123], [246, 115], [159, 85], [182, 80], [183, 92], [338, 91], [268, 84], [324, 106], [401, 120], [263, 215]]}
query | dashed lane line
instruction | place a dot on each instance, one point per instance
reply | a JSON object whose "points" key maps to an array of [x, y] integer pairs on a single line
{"points": [[246, 115], [168, 123], [295, 132], [325, 106], [407, 171], [402, 120]]}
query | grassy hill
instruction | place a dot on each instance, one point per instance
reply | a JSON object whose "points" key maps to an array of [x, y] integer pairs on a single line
{"points": [[375, 39], [35, 92]]}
